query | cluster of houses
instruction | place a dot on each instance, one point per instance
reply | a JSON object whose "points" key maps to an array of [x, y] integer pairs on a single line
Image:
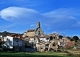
{"points": [[35, 40]]}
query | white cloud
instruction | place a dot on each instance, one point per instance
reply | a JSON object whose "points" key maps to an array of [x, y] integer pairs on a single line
{"points": [[17, 14], [61, 19], [32, 25], [55, 32], [48, 28]]}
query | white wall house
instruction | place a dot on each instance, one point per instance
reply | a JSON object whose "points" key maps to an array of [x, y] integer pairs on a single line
{"points": [[8, 42], [13, 43]]}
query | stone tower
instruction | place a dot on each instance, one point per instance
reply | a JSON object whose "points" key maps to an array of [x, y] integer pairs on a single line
{"points": [[38, 30], [38, 25]]}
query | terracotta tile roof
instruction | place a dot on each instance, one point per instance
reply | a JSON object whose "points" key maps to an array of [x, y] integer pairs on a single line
{"points": [[16, 36]]}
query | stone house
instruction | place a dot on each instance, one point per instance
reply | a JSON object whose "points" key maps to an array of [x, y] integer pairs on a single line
{"points": [[65, 42], [70, 44]]}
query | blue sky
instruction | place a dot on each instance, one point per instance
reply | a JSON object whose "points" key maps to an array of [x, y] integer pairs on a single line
{"points": [[60, 16]]}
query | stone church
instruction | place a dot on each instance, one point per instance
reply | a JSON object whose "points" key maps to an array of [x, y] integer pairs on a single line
{"points": [[34, 32]]}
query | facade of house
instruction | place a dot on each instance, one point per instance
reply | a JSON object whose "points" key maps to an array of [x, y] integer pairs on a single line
{"points": [[18, 44], [13, 43], [8, 42], [70, 44]]}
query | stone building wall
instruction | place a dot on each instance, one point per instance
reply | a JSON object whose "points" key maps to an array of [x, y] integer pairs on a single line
{"points": [[30, 33]]}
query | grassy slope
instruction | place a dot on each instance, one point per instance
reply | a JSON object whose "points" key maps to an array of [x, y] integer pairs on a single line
{"points": [[37, 54]]}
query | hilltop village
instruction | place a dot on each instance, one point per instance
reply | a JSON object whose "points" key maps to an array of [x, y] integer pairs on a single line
{"points": [[35, 40]]}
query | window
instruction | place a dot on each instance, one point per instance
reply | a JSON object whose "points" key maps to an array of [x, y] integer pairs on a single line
{"points": [[53, 44], [51, 37], [20, 44], [54, 37], [16, 41], [47, 45], [47, 38], [39, 33], [41, 48]]}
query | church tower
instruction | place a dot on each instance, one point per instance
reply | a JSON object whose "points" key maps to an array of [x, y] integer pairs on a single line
{"points": [[38, 30]]}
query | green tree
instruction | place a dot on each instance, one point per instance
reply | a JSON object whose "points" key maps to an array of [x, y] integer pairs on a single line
{"points": [[60, 36], [69, 37], [75, 38]]}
